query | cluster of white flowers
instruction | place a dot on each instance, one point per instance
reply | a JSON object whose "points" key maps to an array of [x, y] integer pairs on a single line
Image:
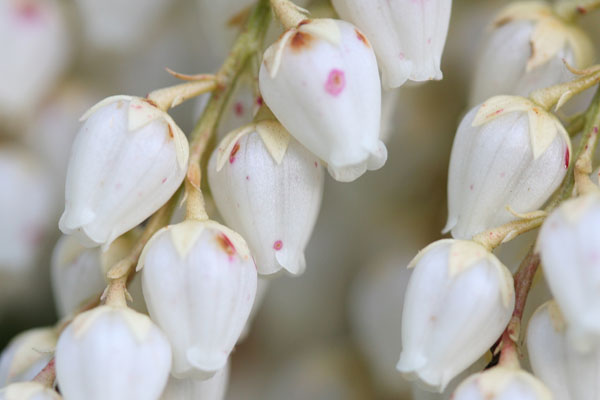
{"points": [[198, 280]]}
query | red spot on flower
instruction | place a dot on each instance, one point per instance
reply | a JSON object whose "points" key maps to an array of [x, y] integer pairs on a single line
{"points": [[595, 129], [362, 37], [236, 148], [247, 178], [581, 10], [238, 108], [171, 135], [471, 187], [28, 11], [136, 106], [259, 100], [278, 245], [300, 40], [163, 180], [226, 244], [316, 164], [567, 158], [336, 81]]}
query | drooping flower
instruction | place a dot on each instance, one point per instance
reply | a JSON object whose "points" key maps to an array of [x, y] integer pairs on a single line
{"points": [[199, 283], [408, 36], [320, 79], [28, 391], [128, 159], [213, 388], [459, 300], [507, 152], [525, 49], [568, 246], [268, 188], [112, 353]]}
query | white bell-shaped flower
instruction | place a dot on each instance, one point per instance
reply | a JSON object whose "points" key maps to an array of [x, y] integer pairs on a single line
{"points": [[119, 25], [78, 273], [26, 355], [127, 160], [508, 155], [28, 391], [459, 300], [27, 209], [321, 81], [503, 383], [199, 283], [35, 45], [570, 374], [213, 388], [112, 353], [525, 49], [268, 187], [408, 36], [568, 246]]}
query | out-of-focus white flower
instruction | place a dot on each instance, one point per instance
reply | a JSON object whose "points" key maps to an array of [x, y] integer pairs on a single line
{"points": [[268, 188], [28, 391], [459, 300], [503, 383], [112, 353], [127, 161], [508, 152], [320, 79], [35, 47], [55, 125], [119, 25], [199, 283], [26, 355], [213, 388], [408, 36], [78, 273], [27, 209], [568, 246], [525, 50], [570, 374]]}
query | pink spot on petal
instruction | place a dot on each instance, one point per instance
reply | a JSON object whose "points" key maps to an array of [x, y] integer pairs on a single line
{"points": [[428, 40], [567, 158], [163, 180], [28, 11], [335, 82], [236, 148], [247, 178], [471, 187], [226, 245], [259, 100], [316, 164], [278, 245], [238, 108], [401, 56]]}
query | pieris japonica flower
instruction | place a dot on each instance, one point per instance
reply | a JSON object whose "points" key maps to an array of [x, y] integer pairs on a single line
{"points": [[408, 36], [119, 25], [568, 246], [507, 152], [26, 355], [28, 391], [199, 283], [525, 50], [78, 273], [27, 209], [128, 159], [503, 383], [268, 188], [213, 388], [35, 46], [459, 300], [320, 79], [112, 353], [570, 374]]}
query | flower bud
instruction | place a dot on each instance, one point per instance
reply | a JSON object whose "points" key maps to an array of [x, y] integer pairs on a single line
{"points": [[570, 374], [78, 273], [459, 300], [568, 246], [507, 152], [112, 353], [128, 159], [502, 383], [268, 188], [321, 81], [28, 391], [26, 355], [525, 49], [408, 36], [213, 388], [35, 46], [27, 209], [199, 283]]}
